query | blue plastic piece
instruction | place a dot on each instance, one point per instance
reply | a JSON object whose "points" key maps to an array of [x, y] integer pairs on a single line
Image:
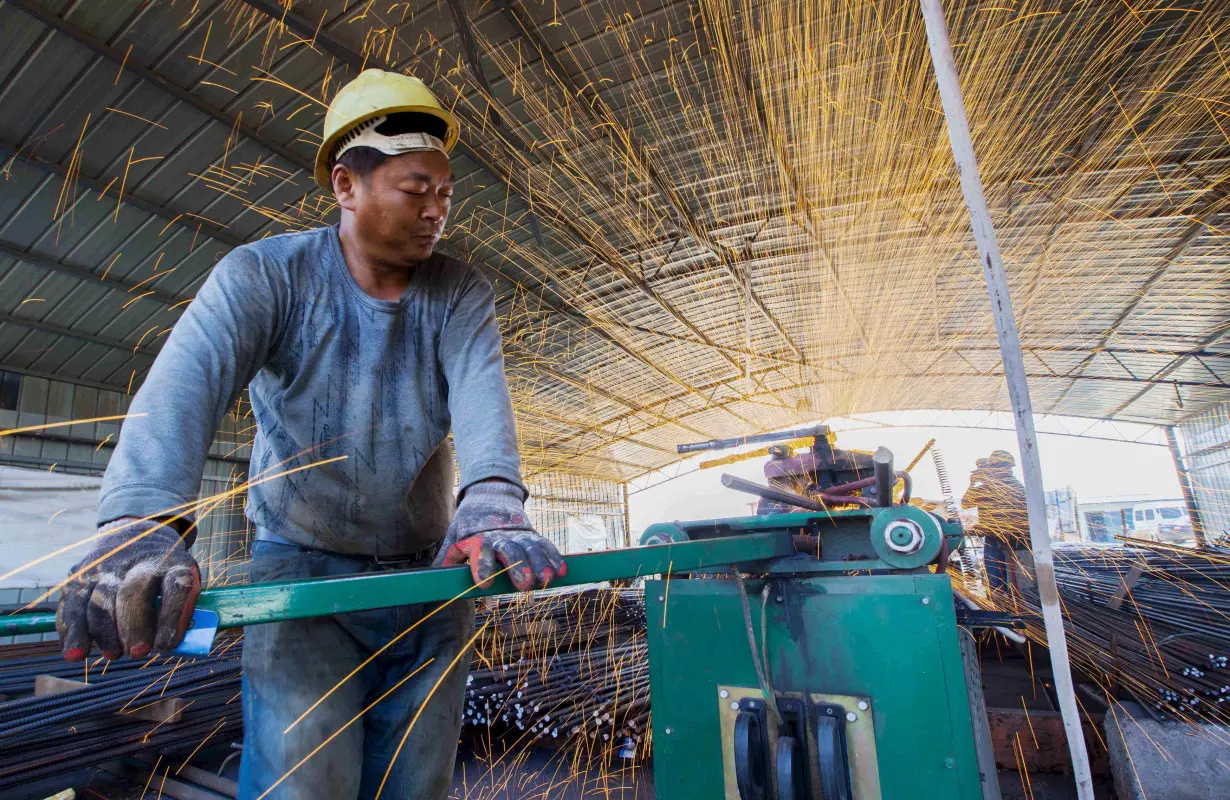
{"points": [[199, 639]]}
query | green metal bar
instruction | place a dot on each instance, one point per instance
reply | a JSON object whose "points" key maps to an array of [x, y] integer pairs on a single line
{"points": [[279, 601], [21, 624]]}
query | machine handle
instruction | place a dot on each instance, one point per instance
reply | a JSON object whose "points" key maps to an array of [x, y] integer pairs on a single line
{"points": [[749, 755], [833, 762], [791, 772]]}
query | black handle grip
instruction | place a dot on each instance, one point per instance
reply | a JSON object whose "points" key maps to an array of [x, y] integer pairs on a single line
{"points": [[833, 762], [791, 771], [749, 755]]}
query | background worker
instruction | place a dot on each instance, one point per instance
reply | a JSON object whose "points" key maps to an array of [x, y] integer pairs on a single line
{"points": [[1003, 520], [358, 343]]}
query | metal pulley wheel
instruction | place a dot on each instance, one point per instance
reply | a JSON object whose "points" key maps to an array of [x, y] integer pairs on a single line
{"points": [[906, 537]]}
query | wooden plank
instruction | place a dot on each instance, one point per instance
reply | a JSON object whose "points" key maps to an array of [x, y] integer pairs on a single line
{"points": [[1041, 740], [1126, 583], [168, 710]]}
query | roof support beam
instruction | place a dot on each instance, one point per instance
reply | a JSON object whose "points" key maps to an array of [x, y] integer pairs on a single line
{"points": [[466, 33], [231, 121], [184, 219], [59, 330], [50, 376], [83, 274]]}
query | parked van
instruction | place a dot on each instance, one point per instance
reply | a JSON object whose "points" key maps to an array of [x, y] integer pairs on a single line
{"points": [[1161, 521]]}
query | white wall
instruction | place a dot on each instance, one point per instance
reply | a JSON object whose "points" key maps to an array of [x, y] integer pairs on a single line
{"points": [[40, 513]]}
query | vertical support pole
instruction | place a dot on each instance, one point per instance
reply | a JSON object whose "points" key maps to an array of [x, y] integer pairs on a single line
{"points": [[1014, 373], [627, 517], [1185, 485]]}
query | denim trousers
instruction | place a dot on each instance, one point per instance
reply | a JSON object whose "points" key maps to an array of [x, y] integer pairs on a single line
{"points": [[996, 557], [343, 748]]}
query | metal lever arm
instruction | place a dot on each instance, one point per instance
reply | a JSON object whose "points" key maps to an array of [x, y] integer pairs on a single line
{"points": [[275, 602]]}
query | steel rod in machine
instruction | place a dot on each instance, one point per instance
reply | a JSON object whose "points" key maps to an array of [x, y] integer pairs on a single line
{"points": [[770, 493], [739, 441], [285, 600], [1014, 372]]}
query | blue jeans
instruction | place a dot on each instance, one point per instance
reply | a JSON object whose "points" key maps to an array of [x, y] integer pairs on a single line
{"points": [[996, 558], [288, 666]]}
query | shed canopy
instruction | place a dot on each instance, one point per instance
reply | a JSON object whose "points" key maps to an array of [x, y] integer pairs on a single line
{"points": [[703, 218]]}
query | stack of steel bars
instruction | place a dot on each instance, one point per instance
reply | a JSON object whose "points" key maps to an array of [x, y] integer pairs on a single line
{"points": [[1151, 620], [46, 735], [551, 666], [564, 667]]}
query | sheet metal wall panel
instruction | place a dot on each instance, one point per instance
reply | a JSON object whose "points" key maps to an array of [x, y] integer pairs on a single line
{"points": [[1206, 444]]}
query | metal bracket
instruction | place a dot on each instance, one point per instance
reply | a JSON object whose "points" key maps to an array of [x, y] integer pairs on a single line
{"points": [[971, 618]]}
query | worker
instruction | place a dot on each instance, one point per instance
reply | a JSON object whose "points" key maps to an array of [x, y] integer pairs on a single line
{"points": [[361, 347], [1003, 521]]}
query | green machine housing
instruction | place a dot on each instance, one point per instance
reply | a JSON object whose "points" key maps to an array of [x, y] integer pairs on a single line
{"points": [[834, 673]]}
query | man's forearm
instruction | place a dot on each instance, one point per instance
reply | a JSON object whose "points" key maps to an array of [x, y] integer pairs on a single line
{"points": [[211, 354]]}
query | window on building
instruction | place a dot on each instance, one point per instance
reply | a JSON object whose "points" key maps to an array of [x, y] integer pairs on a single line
{"points": [[10, 389]]}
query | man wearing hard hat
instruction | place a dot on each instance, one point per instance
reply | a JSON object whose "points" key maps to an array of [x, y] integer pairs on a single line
{"points": [[1003, 520], [362, 348]]}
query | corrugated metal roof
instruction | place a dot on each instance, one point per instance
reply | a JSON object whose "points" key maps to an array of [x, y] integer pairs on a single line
{"points": [[739, 209]]}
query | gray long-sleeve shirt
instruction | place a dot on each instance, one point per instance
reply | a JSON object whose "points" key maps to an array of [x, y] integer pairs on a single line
{"points": [[332, 372]]}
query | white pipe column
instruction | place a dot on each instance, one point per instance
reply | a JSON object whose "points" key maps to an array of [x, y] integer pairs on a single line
{"points": [[1014, 372]]}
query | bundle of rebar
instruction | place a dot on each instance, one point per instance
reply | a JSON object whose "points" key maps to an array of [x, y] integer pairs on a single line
{"points": [[551, 666], [564, 667], [50, 734], [1150, 620]]}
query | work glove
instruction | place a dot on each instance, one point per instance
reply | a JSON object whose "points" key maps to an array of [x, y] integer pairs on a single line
{"points": [[490, 526], [109, 599]]}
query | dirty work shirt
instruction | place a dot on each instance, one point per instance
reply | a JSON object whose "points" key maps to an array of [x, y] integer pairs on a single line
{"points": [[332, 372]]}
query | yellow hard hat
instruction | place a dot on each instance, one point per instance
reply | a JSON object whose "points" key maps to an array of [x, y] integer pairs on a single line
{"points": [[376, 93]]}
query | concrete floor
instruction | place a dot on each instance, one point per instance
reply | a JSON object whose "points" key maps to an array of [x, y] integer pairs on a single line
{"points": [[544, 775]]}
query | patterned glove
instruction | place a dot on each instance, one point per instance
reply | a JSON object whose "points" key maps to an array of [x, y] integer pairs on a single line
{"points": [[490, 525], [110, 598]]}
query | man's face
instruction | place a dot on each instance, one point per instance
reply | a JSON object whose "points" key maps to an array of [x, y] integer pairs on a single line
{"points": [[401, 207]]}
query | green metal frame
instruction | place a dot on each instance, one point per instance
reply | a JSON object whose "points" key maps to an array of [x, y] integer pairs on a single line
{"points": [[892, 638], [847, 543], [285, 600]]}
